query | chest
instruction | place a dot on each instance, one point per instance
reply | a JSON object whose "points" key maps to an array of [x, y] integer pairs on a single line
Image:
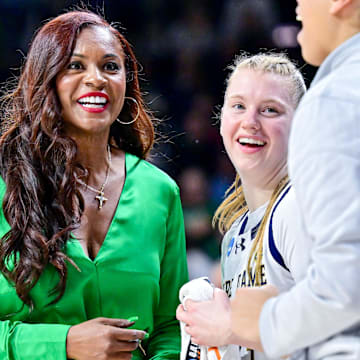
{"points": [[96, 219], [235, 260], [237, 273]]}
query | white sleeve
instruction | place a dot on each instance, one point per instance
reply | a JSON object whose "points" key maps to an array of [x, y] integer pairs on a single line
{"points": [[325, 173], [290, 238]]}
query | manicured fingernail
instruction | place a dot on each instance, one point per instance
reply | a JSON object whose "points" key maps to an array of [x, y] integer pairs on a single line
{"points": [[133, 318], [146, 336]]}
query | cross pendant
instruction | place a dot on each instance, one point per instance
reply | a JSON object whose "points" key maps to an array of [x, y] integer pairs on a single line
{"points": [[101, 198]]}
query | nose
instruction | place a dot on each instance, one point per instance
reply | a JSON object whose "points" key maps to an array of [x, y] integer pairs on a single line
{"points": [[94, 78], [250, 121]]}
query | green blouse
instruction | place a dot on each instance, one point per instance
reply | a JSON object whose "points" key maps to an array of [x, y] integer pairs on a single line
{"points": [[138, 271]]}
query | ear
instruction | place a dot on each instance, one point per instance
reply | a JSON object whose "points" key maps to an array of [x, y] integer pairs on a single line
{"points": [[336, 6], [220, 119]]}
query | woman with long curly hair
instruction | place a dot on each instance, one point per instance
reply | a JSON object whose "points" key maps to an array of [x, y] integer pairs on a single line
{"points": [[92, 234]]}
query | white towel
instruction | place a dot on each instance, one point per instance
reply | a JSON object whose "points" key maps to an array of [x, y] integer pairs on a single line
{"points": [[202, 289]]}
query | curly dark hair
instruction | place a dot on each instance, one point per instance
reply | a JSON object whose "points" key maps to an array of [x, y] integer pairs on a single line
{"points": [[42, 203]]}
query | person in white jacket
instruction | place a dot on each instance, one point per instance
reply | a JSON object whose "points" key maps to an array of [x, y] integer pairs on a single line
{"points": [[321, 313]]}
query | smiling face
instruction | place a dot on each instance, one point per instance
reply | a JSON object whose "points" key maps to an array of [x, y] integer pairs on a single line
{"points": [[255, 123], [91, 88]]}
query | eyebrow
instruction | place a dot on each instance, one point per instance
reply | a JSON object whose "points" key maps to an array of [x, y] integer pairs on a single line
{"points": [[104, 57], [274, 100], [236, 96]]}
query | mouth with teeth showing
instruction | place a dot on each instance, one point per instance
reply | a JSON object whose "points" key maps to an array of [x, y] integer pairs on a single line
{"points": [[251, 143], [93, 102]]}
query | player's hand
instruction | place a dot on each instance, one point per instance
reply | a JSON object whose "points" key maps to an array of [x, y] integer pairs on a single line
{"points": [[208, 322], [102, 339]]}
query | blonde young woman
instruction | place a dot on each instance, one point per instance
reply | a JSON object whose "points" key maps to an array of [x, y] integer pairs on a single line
{"points": [[264, 242]]}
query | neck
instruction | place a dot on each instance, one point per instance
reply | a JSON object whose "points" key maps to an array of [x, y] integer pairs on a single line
{"points": [[343, 35], [258, 193], [256, 197], [345, 24], [93, 155]]}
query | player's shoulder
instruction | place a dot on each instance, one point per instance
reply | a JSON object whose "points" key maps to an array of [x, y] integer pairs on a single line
{"points": [[285, 208], [234, 229], [285, 225], [285, 200], [234, 226], [282, 226]]}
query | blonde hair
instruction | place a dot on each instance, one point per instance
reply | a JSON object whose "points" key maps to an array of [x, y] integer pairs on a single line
{"points": [[278, 64], [234, 204]]}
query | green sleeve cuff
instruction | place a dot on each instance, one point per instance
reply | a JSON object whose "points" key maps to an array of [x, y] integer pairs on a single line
{"points": [[38, 341]]}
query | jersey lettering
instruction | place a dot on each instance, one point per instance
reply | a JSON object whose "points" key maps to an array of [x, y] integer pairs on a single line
{"points": [[193, 352], [227, 287], [244, 280]]}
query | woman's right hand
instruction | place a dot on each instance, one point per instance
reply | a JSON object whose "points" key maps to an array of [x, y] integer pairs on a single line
{"points": [[102, 339]]}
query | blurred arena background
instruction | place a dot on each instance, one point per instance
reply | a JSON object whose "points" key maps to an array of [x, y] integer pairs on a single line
{"points": [[183, 48]]}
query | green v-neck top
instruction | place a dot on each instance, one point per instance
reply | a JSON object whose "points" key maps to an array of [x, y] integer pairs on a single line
{"points": [[138, 271]]}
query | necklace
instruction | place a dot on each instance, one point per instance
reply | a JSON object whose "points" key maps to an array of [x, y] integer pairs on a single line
{"points": [[100, 192]]}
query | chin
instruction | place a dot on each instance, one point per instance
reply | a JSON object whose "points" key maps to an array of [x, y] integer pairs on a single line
{"points": [[312, 57]]}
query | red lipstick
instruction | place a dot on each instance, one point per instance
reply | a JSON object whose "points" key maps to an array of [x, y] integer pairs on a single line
{"points": [[94, 102]]}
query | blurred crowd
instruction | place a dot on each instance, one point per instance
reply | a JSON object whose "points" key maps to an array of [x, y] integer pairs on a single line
{"points": [[183, 48]]}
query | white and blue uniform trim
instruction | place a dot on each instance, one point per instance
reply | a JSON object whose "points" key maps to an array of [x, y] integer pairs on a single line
{"points": [[284, 249]]}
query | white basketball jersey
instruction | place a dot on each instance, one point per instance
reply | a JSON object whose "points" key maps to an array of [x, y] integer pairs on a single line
{"points": [[285, 249]]}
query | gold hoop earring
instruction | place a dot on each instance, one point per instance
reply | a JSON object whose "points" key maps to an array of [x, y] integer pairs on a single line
{"points": [[137, 115]]}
